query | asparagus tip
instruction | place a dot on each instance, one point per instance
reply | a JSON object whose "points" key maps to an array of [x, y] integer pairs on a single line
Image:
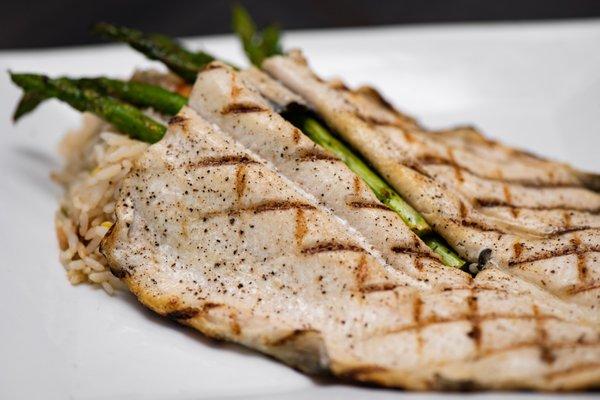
{"points": [[100, 28]]}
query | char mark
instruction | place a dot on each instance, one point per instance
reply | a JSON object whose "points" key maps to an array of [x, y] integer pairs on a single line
{"points": [[366, 204], [361, 372], [267, 206], [279, 205], [377, 287], [242, 108], [177, 119], [332, 246], [480, 227], [412, 252], [316, 155], [226, 160], [213, 65], [531, 183], [291, 337], [585, 288], [184, 313], [119, 272], [553, 254], [489, 203]]}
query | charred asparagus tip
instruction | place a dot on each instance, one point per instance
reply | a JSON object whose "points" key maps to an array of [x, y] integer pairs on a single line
{"points": [[181, 61]]}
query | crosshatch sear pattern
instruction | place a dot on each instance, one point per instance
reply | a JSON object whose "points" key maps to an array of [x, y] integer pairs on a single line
{"points": [[318, 172], [210, 235], [540, 218]]}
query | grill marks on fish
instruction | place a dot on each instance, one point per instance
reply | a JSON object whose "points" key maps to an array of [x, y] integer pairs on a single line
{"points": [[362, 372], [294, 153], [475, 175], [518, 250], [417, 307], [430, 159], [480, 226], [186, 313], [291, 337], [183, 314], [296, 135], [540, 341], [280, 205], [475, 332], [364, 204], [575, 247], [542, 337], [581, 258], [377, 287], [508, 199], [220, 161], [413, 252], [490, 203], [313, 155], [452, 163], [267, 206], [300, 229], [240, 181], [332, 246], [242, 108], [584, 288], [363, 278]]}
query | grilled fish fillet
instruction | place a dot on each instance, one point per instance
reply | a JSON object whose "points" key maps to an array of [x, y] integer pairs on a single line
{"points": [[234, 101], [209, 234], [540, 218]]}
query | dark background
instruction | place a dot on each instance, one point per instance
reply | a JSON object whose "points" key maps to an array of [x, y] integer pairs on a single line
{"points": [[44, 23]]}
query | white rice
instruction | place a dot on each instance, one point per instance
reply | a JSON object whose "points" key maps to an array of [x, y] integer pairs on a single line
{"points": [[96, 160]]}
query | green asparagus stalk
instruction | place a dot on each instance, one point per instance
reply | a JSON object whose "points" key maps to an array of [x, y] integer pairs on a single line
{"points": [[257, 45], [29, 102], [442, 249], [137, 93], [123, 116], [182, 62]]}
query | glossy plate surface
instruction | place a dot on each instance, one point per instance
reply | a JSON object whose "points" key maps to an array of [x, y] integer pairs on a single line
{"points": [[536, 86]]}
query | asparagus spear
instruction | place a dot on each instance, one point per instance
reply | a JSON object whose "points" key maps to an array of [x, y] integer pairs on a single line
{"points": [[158, 47], [257, 45], [136, 93], [442, 249], [123, 116], [29, 102]]}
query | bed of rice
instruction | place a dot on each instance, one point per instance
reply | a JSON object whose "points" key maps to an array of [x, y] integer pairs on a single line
{"points": [[96, 160]]}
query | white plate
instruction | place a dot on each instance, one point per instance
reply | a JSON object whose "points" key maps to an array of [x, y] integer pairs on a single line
{"points": [[532, 85]]}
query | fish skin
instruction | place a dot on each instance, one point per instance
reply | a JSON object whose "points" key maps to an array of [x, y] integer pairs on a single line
{"points": [[538, 217], [240, 265]]}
